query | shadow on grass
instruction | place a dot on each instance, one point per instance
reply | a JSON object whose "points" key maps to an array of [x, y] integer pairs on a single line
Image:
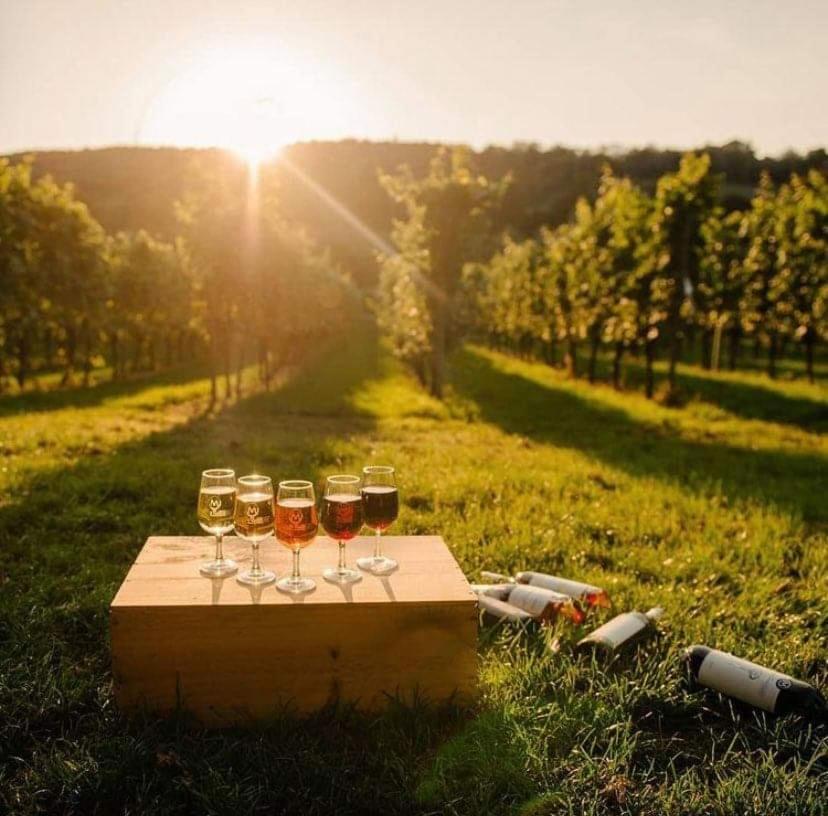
{"points": [[744, 394], [325, 388], [755, 401], [749, 400], [79, 397], [559, 415]]}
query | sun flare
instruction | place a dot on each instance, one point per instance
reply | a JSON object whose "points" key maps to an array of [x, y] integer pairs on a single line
{"points": [[250, 101]]}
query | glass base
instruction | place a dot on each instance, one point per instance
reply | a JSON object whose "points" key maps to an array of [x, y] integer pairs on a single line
{"points": [[377, 566], [260, 579], [295, 586], [220, 568], [337, 576]]}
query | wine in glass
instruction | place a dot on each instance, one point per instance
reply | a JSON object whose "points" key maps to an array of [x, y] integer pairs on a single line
{"points": [[296, 526], [380, 508], [341, 517], [216, 502], [254, 523]]}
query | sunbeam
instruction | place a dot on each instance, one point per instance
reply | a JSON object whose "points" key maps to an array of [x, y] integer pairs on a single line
{"points": [[357, 224]]}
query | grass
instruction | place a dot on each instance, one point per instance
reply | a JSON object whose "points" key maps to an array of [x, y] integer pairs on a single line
{"points": [[715, 511]]}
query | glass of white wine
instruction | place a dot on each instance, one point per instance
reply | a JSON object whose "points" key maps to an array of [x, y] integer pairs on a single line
{"points": [[254, 523], [216, 503]]}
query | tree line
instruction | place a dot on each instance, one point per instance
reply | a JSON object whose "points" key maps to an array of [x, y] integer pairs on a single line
{"points": [[652, 274], [234, 288], [545, 184]]}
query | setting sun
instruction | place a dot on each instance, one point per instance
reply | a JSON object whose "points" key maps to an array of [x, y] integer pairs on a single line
{"points": [[252, 102]]}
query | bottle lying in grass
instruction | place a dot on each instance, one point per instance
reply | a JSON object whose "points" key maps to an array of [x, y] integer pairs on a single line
{"points": [[620, 632], [541, 604], [755, 685], [586, 594], [498, 610]]}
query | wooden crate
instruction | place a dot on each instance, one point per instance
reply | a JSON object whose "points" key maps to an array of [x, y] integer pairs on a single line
{"points": [[230, 654]]}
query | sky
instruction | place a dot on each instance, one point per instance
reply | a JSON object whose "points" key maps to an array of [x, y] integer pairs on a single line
{"points": [[253, 75]]}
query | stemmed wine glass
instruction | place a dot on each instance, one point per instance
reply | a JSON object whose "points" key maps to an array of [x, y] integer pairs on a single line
{"points": [[380, 506], [216, 501], [342, 520], [296, 526], [254, 523]]}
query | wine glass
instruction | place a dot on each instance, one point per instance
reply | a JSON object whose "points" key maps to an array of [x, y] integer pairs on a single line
{"points": [[342, 520], [216, 502], [254, 523], [380, 507], [296, 526]]}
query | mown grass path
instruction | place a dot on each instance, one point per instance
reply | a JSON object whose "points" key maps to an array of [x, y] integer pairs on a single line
{"points": [[716, 511]]}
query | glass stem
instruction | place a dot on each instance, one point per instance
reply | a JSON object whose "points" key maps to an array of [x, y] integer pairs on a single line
{"points": [[219, 553], [295, 575], [256, 568], [378, 546], [341, 557]]}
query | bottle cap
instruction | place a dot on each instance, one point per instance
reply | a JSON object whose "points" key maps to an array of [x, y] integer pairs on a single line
{"points": [[655, 613]]}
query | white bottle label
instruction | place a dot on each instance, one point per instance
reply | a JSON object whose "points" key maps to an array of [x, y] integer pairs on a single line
{"points": [[499, 591], [534, 600], [501, 609], [742, 679], [619, 629], [575, 589]]}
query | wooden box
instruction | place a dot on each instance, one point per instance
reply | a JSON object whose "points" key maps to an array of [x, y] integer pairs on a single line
{"points": [[230, 654]]}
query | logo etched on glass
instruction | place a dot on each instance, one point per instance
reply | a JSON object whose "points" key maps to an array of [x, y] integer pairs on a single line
{"points": [[345, 512]]}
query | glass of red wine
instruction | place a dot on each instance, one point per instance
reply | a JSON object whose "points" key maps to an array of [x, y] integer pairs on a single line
{"points": [[296, 526], [380, 508], [341, 517]]}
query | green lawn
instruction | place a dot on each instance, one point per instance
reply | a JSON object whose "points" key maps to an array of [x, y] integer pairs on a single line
{"points": [[716, 511]]}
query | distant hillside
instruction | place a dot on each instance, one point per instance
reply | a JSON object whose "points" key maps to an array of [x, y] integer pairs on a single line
{"points": [[136, 187]]}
